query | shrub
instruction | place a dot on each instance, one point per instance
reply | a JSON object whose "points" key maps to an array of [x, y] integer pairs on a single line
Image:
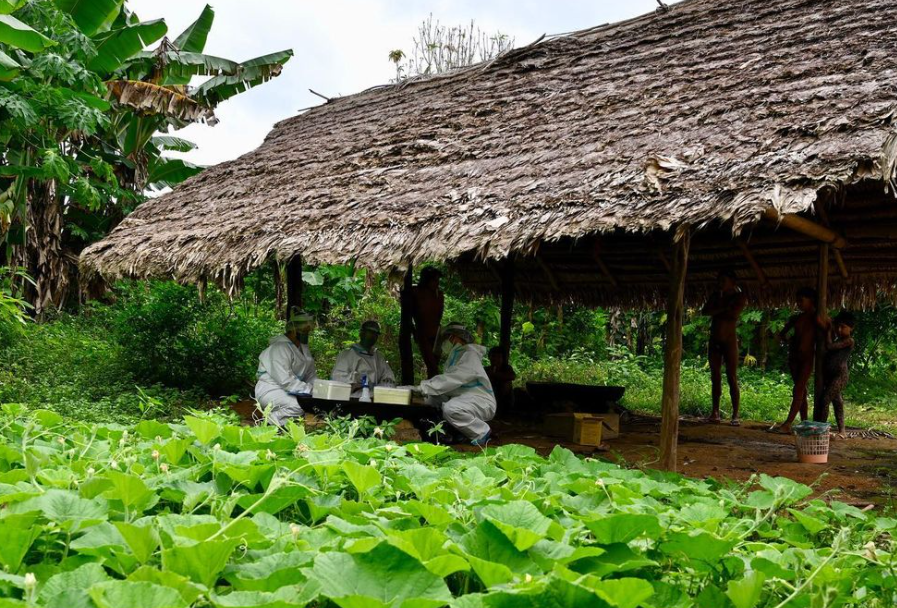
{"points": [[168, 335]]}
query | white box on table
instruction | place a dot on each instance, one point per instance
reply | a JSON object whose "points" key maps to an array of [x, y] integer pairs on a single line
{"points": [[332, 390], [392, 396]]}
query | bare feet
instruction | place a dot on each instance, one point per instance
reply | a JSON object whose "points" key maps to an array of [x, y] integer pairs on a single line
{"points": [[713, 419], [735, 422], [784, 429]]}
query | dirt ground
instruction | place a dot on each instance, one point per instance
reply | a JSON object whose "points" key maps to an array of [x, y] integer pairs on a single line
{"points": [[860, 471]]}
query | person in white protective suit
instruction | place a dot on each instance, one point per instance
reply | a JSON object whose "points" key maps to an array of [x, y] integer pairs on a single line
{"points": [[364, 360], [469, 402], [286, 371]]}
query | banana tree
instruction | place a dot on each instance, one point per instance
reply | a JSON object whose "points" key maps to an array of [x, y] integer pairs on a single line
{"points": [[155, 86], [86, 110]]}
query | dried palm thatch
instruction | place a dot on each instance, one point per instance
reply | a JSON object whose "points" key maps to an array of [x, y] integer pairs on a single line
{"points": [[583, 147], [170, 100]]}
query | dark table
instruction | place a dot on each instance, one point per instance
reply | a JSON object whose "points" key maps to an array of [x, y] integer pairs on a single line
{"points": [[591, 399], [423, 417]]}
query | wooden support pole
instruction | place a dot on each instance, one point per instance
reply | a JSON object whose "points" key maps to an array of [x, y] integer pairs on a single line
{"points": [[806, 227], [672, 356], [294, 285], [758, 270], [406, 354], [822, 309], [508, 289]]}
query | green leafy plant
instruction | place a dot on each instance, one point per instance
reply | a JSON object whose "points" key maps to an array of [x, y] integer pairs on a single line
{"points": [[206, 512]]}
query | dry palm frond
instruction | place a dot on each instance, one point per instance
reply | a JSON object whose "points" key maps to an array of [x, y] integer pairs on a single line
{"points": [[171, 101]]}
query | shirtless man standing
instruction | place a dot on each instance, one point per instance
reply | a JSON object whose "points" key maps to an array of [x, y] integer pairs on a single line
{"points": [[427, 307], [801, 353], [724, 308]]}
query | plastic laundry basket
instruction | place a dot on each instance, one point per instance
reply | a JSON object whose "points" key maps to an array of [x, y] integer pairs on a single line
{"points": [[812, 449]]}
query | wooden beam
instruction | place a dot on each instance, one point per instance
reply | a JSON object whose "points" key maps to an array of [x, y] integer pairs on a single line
{"points": [[758, 270], [406, 354], [548, 273], [842, 267], [822, 309], [672, 356], [294, 285], [806, 227], [508, 289]]}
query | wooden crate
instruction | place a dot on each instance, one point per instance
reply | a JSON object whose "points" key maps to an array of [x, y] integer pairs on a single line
{"points": [[576, 427]]}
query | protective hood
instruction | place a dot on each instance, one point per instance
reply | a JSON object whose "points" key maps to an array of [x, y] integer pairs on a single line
{"points": [[280, 338]]}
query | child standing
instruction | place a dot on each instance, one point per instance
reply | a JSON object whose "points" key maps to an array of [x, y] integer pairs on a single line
{"points": [[835, 373], [801, 353]]}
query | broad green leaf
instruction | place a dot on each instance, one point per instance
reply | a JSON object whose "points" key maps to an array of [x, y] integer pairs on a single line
{"points": [[69, 589], [65, 506], [271, 572], [202, 562], [813, 525], [189, 590], [520, 521], [252, 73], [285, 597], [385, 576], [143, 540], [19, 35], [363, 477], [622, 592], [785, 490], [11, 6], [118, 46], [624, 527], [92, 16], [174, 449], [702, 547], [131, 491], [446, 565], [205, 430], [121, 594], [491, 574], [193, 39], [48, 419], [171, 172], [17, 534], [175, 144], [745, 593], [150, 429], [9, 67], [275, 502]]}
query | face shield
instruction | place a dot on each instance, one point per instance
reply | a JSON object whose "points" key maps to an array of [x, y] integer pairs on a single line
{"points": [[302, 324]]}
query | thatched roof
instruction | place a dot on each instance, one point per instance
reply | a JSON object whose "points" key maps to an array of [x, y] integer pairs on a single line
{"points": [[706, 113]]}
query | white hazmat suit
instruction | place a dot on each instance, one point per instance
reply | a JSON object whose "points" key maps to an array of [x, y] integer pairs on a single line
{"points": [[355, 362], [470, 402], [285, 370]]}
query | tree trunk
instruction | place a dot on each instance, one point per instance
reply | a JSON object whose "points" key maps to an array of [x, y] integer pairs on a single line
{"points": [[42, 256]]}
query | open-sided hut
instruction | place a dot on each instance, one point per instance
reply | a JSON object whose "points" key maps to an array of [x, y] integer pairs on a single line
{"points": [[625, 164]]}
